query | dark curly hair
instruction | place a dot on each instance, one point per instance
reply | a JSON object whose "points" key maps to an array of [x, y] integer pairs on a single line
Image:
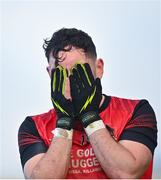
{"points": [[69, 37]]}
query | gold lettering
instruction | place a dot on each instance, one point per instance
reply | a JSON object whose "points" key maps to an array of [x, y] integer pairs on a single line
{"points": [[80, 153], [75, 163], [89, 162], [83, 163], [95, 161]]}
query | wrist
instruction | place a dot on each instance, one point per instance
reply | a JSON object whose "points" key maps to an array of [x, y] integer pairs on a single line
{"points": [[63, 133], [94, 126]]}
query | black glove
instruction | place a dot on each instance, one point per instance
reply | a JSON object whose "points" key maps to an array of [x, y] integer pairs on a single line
{"points": [[86, 93], [63, 106]]}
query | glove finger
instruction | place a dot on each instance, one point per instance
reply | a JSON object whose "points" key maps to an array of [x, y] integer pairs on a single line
{"points": [[63, 75], [57, 79], [98, 84], [89, 72], [83, 74], [73, 87], [61, 81], [78, 79], [53, 80]]}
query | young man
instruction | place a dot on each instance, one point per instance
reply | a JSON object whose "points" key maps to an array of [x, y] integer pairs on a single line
{"points": [[87, 134]]}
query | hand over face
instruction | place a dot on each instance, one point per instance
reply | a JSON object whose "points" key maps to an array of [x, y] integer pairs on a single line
{"points": [[61, 99], [86, 93]]}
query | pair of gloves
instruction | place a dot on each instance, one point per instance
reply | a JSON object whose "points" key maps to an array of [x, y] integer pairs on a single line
{"points": [[86, 94]]}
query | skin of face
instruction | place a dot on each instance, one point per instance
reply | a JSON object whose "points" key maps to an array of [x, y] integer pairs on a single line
{"points": [[75, 55]]}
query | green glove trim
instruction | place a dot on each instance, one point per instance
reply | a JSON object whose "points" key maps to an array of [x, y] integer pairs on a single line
{"points": [[89, 100], [59, 107]]}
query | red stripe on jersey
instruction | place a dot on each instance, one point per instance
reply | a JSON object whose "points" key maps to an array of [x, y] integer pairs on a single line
{"points": [[142, 121], [26, 139]]}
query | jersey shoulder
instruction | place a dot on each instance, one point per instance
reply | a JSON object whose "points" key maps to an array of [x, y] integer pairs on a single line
{"points": [[38, 117], [43, 124], [123, 104], [45, 115]]}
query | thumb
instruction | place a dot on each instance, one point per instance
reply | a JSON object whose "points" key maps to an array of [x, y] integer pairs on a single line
{"points": [[98, 84]]}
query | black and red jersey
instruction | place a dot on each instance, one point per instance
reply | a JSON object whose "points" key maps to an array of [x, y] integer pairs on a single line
{"points": [[125, 119]]}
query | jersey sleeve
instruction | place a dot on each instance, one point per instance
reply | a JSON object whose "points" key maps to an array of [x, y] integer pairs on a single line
{"points": [[142, 127], [29, 141]]}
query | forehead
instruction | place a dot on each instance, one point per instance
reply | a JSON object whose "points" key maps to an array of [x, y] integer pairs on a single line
{"points": [[73, 55]]}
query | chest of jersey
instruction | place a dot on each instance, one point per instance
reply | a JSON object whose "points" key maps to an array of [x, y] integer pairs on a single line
{"points": [[83, 162]]}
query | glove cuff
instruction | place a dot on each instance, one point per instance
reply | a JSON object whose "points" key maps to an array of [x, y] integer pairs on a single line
{"points": [[64, 123], [89, 117]]}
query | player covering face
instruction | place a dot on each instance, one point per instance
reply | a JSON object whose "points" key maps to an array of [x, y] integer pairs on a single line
{"points": [[121, 133]]}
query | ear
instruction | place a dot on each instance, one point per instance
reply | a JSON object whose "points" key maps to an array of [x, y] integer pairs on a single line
{"points": [[99, 64]]}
